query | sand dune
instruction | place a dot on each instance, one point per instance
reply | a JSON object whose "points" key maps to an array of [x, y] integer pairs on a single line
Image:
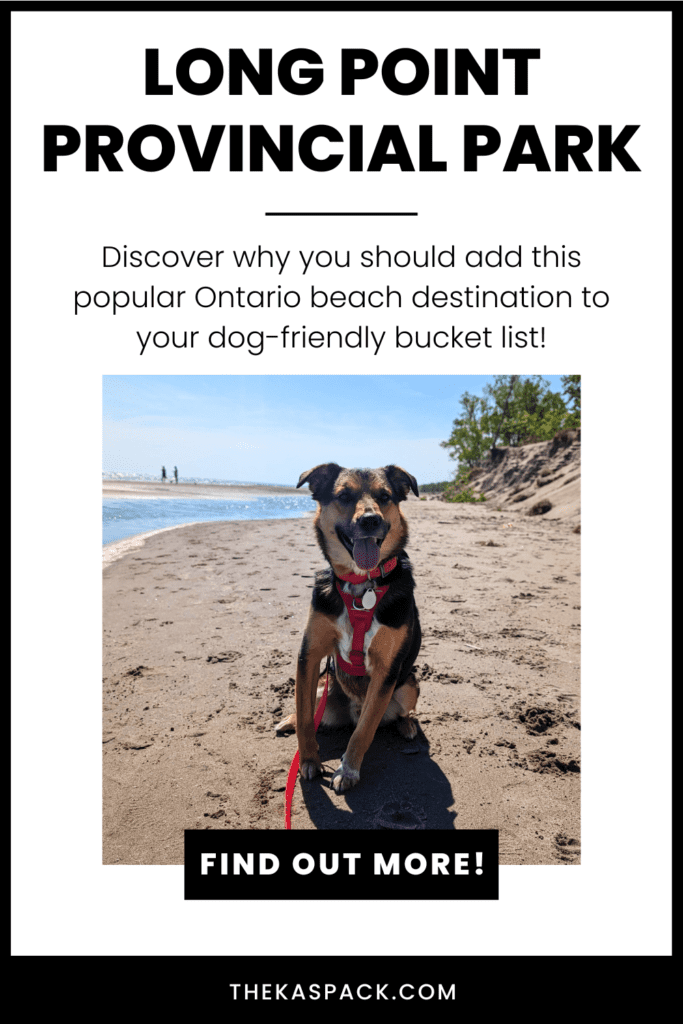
{"points": [[543, 478]]}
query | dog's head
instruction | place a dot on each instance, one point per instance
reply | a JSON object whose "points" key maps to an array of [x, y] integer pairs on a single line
{"points": [[359, 523]]}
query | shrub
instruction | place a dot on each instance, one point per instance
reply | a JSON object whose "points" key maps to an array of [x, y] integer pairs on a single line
{"points": [[460, 489]]}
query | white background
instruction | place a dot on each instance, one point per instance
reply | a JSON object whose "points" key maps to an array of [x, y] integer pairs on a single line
{"points": [[88, 68]]}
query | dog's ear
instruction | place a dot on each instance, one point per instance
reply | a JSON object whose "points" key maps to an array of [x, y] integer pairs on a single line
{"points": [[320, 479], [401, 482]]}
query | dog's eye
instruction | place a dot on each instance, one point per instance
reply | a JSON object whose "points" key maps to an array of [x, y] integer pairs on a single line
{"points": [[384, 499], [345, 498]]}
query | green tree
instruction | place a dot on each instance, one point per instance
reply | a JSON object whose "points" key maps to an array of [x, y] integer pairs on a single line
{"points": [[528, 410], [571, 387], [513, 410], [467, 442]]}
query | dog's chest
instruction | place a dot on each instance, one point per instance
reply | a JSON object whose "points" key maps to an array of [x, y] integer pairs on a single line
{"points": [[345, 642]]}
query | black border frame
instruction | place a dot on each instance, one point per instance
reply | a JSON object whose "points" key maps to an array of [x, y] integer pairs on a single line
{"points": [[133, 6]]}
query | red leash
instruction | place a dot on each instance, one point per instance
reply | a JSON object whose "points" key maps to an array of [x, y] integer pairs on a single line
{"points": [[294, 767]]}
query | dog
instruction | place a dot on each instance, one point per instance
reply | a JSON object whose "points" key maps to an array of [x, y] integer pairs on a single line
{"points": [[363, 614]]}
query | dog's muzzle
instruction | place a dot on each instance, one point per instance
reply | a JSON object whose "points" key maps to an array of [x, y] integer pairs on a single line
{"points": [[370, 530]]}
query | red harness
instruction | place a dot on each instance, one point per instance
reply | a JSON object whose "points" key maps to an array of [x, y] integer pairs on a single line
{"points": [[361, 617], [360, 622]]}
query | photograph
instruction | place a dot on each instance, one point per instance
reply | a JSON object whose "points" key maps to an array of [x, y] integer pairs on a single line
{"points": [[417, 582]]}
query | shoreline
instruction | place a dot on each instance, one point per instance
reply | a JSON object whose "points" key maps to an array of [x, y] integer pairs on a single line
{"points": [[116, 549], [218, 492]]}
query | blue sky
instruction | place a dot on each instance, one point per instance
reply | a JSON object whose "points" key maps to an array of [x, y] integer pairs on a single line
{"points": [[270, 429]]}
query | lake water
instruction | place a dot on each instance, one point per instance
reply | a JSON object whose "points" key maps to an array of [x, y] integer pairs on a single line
{"points": [[124, 517]]}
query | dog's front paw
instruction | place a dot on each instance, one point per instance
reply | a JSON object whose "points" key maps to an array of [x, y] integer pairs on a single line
{"points": [[345, 777], [407, 727], [310, 768]]}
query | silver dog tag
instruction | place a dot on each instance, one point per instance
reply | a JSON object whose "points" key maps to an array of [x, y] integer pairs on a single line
{"points": [[369, 599]]}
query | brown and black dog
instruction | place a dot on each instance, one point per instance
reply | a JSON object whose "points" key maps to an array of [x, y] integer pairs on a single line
{"points": [[362, 534]]}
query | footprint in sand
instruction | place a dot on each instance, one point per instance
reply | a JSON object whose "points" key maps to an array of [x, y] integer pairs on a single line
{"points": [[399, 814]]}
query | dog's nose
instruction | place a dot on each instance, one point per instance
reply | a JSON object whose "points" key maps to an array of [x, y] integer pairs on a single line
{"points": [[369, 521]]}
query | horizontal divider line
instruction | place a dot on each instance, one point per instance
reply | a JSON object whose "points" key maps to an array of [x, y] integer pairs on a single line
{"points": [[328, 213]]}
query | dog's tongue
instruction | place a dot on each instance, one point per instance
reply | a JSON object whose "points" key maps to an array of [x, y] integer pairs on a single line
{"points": [[366, 554]]}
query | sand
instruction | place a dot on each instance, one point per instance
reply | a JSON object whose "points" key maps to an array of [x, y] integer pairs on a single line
{"points": [[545, 475], [221, 492], [202, 625]]}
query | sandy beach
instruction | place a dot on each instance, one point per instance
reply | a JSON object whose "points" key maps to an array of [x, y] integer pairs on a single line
{"points": [[202, 625], [221, 492]]}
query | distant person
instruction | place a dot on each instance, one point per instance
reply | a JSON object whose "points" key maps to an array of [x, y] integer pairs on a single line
{"points": [[175, 473], [163, 474]]}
